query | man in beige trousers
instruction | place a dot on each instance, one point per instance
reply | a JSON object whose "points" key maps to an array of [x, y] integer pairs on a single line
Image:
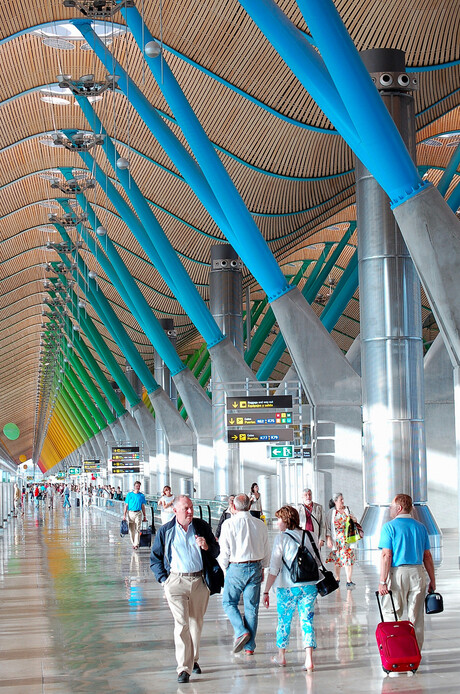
{"points": [[181, 553]]}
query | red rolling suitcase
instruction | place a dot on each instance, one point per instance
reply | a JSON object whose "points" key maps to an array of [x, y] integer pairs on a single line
{"points": [[397, 643]]}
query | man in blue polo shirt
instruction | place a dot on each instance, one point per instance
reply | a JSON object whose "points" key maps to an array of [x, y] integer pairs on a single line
{"points": [[405, 552], [135, 510]]}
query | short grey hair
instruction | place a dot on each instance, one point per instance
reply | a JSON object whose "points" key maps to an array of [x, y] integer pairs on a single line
{"points": [[179, 498], [242, 502], [305, 491], [336, 496]]}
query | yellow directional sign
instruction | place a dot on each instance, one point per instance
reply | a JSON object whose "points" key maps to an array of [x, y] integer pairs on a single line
{"points": [[254, 420], [262, 402], [264, 436]]}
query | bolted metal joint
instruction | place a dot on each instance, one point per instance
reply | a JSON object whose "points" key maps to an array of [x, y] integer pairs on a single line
{"points": [[98, 9], [394, 81], [227, 264]]}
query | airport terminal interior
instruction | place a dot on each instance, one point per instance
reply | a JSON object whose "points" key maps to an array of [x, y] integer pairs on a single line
{"points": [[229, 243]]}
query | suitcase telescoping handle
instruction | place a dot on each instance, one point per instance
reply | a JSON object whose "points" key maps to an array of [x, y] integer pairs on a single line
{"points": [[380, 606]]}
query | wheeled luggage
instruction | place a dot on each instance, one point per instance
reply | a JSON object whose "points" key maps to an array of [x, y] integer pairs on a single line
{"points": [[145, 538], [397, 643]]}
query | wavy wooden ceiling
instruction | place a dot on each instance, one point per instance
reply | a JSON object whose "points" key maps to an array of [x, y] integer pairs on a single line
{"points": [[262, 139]]}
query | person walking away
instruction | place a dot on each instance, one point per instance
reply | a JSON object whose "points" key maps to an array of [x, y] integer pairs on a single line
{"points": [[341, 553], [181, 550], [244, 552], [406, 552], [165, 503], [312, 517], [36, 495], [256, 501], [50, 496], [135, 512], [290, 595], [228, 513], [67, 496]]}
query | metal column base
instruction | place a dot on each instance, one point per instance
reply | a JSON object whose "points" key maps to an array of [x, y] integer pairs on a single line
{"points": [[375, 516]]}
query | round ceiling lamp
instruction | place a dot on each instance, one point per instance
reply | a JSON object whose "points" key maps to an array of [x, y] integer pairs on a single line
{"points": [[49, 204], [152, 49], [11, 431], [23, 458], [101, 231], [58, 100], [60, 44], [122, 163]]}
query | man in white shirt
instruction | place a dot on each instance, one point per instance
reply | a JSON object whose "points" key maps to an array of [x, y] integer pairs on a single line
{"points": [[244, 552]]}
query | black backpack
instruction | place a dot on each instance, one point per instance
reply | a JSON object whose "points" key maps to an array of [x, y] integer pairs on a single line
{"points": [[304, 567]]}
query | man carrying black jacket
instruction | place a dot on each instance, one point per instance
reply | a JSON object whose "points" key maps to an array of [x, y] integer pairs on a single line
{"points": [[183, 559]]}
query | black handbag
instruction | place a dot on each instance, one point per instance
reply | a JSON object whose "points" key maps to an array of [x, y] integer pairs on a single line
{"points": [[304, 568], [329, 582], [434, 603]]}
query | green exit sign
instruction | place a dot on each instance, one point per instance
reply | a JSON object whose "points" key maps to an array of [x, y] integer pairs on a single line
{"points": [[281, 451], [74, 471]]}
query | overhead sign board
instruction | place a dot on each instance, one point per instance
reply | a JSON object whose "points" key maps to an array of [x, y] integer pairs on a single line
{"points": [[281, 451], [237, 420], [74, 470], [300, 452], [126, 459], [262, 402], [91, 465], [264, 436], [125, 453]]}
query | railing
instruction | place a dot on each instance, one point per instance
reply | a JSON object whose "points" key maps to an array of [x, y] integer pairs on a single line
{"points": [[207, 509]]}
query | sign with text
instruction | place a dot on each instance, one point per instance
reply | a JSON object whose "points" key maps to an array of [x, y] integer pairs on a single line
{"points": [[262, 402], [234, 420], [264, 436], [300, 452], [281, 451], [126, 459], [74, 470], [91, 465]]}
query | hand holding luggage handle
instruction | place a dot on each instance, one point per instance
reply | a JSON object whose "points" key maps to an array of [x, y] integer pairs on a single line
{"points": [[380, 606]]}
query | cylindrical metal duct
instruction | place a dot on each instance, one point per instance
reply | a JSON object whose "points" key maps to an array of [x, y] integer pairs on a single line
{"points": [[163, 377], [226, 304], [391, 330]]}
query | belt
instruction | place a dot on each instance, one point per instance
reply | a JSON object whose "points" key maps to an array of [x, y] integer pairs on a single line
{"points": [[399, 565], [192, 573], [248, 561]]}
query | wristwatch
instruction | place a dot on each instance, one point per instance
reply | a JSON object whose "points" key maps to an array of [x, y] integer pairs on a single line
{"points": [[383, 583]]}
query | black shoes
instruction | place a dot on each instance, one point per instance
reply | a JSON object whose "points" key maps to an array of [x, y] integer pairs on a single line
{"points": [[196, 669], [184, 677]]}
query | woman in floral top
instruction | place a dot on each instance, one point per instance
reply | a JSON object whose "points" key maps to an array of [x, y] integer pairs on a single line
{"points": [[341, 554]]}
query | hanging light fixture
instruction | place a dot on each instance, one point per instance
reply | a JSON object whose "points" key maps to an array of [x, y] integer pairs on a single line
{"points": [[122, 163], [152, 49]]}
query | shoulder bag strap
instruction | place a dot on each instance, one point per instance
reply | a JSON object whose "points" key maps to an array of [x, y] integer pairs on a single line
{"points": [[313, 544], [295, 540]]}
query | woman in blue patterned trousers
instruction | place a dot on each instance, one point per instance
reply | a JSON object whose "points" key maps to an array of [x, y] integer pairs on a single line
{"points": [[291, 596]]}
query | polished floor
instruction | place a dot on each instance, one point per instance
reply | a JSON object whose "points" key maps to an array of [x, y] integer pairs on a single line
{"points": [[80, 611]]}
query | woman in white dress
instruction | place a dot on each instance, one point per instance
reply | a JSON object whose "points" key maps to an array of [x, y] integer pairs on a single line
{"points": [[165, 504]]}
